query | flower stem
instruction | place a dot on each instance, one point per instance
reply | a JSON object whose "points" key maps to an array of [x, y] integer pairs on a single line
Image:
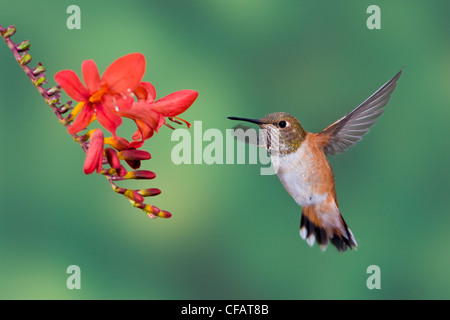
{"points": [[37, 77]]}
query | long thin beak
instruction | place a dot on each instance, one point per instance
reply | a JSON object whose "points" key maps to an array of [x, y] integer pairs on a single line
{"points": [[257, 121]]}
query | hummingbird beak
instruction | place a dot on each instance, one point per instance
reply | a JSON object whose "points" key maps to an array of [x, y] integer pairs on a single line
{"points": [[257, 121]]}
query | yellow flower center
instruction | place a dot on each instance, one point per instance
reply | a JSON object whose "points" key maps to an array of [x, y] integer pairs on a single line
{"points": [[98, 95]]}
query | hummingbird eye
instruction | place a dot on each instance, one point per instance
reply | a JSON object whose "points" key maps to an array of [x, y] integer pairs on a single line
{"points": [[282, 124]]}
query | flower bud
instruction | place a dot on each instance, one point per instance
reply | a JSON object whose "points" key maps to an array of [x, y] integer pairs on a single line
{"points": [[9, 32], [39, 69], [132, 154], [133, 196], [121, 171], [164, 214], [151, 209], [94, 155], [150, 192], [39, 81], [53, 90], [25, 59], [113, 159], [140, 174], [24, 45]]}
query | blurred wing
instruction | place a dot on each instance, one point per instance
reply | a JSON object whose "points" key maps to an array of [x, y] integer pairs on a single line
{"points": [[348, 130]]}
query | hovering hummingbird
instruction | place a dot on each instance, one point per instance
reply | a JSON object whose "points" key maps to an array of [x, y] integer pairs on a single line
{"points": [[305, 171]]}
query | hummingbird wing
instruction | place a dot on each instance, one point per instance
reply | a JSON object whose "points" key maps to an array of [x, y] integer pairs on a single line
{"points": [[348, 130]]}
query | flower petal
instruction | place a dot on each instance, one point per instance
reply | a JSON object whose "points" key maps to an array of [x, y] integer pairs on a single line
{"points": [[146, 119], [108, 119], [145, 92], [94, 155], [125, 73], [118, 143], [122, 102], [82, 120], [71, 84], [91, 76], [175, 103], [143, 132], [136, 144]]}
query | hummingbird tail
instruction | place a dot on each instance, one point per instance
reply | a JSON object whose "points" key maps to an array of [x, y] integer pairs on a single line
{"points": [[321, 227]]}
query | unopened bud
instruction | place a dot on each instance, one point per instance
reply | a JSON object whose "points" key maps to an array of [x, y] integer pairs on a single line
{"points": [[9, 31], [150, 192], [39, 81], [24, 45], [25, 59], [121, 171], [53, 90], [65, 108], [134, 196], [132, 154], [39, 69], [94, 155], [113, 159], [164, 214], [151, 209], [140, 174]]}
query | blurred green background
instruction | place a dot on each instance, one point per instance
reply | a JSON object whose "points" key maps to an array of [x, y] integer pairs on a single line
{"points": [[234, 233]]}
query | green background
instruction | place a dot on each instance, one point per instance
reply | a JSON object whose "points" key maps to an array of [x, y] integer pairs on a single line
{"points": [[234, 233]]}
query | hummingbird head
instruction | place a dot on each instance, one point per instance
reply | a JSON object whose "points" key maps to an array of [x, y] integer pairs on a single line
{"points": [[283, 131]]}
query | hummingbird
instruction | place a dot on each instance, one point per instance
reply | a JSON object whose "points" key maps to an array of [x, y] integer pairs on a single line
{"points": [[305, 172]]}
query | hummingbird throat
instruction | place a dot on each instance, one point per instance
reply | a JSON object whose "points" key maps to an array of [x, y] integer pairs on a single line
{"points": [[282, 141]]}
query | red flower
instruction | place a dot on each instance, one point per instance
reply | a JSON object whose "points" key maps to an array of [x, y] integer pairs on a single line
{"points": [[103, 97], [149, 114]]}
